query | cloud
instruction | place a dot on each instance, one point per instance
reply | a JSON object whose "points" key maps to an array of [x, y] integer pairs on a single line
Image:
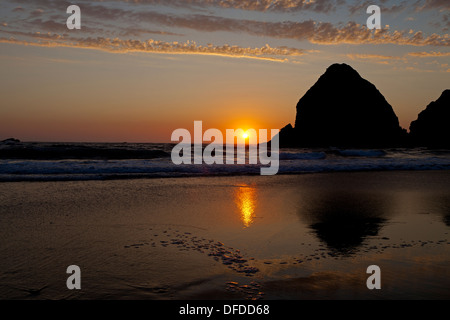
{"points": [[406, 60], [309, 30], [139, 31], [354, 33], [378, 57], [129, 22], [36, 13], [375, 58], [277, 54], [371, 56], [361, 7], [46, 25], [323, 6], [442, 6], [431, 54], [432, 4]]}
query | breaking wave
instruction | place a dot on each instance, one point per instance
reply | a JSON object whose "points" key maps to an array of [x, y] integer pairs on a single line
{"points": [[60, 162]]}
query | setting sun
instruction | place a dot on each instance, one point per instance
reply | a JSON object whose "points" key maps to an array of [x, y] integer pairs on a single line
{"points": [[245, 135]]}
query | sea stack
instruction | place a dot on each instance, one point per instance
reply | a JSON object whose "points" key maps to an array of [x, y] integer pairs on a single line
{"points": [[431, 129], [343, 110]]}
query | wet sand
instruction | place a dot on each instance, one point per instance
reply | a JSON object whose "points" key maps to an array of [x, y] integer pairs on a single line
{"points": [[306, 236]]}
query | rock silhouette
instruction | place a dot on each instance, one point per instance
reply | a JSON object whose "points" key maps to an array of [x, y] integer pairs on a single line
{"points": [[10, 141], [343, 110], [431, 128]]}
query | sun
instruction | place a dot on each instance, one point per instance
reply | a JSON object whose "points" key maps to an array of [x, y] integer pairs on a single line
{"points": [[245, 135]]}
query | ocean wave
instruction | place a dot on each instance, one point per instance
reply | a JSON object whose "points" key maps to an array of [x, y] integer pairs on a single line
{"points": [[130, 161], [120, 169], [362, 153], [40, 151], [302, 155]]}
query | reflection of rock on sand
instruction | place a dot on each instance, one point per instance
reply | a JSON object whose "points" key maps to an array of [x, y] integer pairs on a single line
{"points": [[344, 221], [348, 234], [447, 220], [444, 209]]}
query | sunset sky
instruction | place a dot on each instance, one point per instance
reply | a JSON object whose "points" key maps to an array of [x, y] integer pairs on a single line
{"points": [[139, 69]]}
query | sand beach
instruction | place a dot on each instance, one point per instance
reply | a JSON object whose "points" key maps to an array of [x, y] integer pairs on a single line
{"points": [[309, 236]]}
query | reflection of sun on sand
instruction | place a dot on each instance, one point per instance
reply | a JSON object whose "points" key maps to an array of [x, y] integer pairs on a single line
{"points": [[246, 200]]}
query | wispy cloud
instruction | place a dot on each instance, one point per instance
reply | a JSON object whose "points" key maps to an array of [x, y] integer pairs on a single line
{"points": [[120, 29], [277, 54], [432, 4], [309, 30], [386, 6], [376, 58], [406, 61], [432, 54], [323, 6], [132, 23]]}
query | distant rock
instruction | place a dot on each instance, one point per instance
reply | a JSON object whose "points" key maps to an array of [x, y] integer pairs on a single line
{"points": [[10, 141], [432, 127], [343, 110]]}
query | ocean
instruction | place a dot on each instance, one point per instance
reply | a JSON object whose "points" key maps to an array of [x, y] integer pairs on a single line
{"points": [[140, 227], [37, 161]]}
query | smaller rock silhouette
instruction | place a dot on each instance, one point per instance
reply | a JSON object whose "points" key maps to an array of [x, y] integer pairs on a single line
{"points": [[432, 129]]}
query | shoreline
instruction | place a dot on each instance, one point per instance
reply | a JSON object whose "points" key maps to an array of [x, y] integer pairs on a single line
{"points": [[212, 176]]}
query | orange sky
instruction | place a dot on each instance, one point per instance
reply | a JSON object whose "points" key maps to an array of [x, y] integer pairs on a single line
{"points": [[137, 71]]}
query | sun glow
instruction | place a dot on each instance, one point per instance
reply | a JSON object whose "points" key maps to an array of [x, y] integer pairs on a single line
{"points": [[245, 135]]}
